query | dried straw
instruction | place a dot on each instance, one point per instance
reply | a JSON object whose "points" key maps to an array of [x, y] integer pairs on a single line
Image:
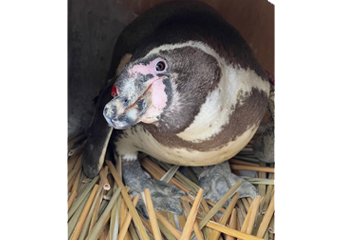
{"points": [[96, 208], [132, 231], [77, 180], [73, 221], [181, 220], [146, 224], [207, 209], [248, 159], [232, 224], [219, 204], [72, 161], [77, 149], [71, 199], [81, 197], [102, 236], [251, 168], [104, 226], [271, 227], [169, 174], [171, 218], [86, 225], [207, 231], [174, 231], [240, 216], [168, 235], [215, 234], [259, 181], [243, 210], [262, 187], [123, 212], [76, 139], [71, 183], [245, 223], [180, 177], [211, 203], [126, 223], [198, 232], [192, 175], [84, 213], [245, 203], [77, 167], [239, 162], [238, 225], [257, 223], [247, 226], [253, 210], [152, 215], [266, 220], [192, 216], [270, 236], [81, 209], [103, 176], [231, 232], [266, 200], [137, 221], [115, 220], [104, 217]]}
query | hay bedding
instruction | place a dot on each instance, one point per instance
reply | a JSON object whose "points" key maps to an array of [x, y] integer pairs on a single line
{"points": [[101, 208]]}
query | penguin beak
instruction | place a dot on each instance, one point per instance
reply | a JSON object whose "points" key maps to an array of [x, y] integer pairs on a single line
{"points": [[127, 109]]}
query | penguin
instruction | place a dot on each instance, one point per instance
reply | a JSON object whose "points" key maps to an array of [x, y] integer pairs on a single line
{"points": [[184, 89]]}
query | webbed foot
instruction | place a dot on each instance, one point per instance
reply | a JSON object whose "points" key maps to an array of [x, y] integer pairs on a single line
{"points": [[164, 196], [216, 180]]}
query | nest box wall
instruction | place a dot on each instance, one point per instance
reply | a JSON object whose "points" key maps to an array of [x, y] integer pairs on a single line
{"points": [[94, 26]]}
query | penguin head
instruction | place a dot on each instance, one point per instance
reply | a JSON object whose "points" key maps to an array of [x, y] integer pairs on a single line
{"points": [[164, 87]]}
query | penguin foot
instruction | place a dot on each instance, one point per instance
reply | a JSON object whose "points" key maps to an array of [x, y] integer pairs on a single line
{"points": [[216, 180], [164, 196]]}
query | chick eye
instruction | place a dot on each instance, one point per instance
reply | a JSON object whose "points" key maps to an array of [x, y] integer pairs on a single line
{"points": [[160, 66]]}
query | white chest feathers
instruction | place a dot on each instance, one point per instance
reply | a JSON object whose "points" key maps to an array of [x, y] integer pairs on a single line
{"points": [[138, 140]]}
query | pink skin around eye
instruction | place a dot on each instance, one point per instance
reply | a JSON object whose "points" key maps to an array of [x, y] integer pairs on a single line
{"points": [[158, 95], [143, 69]]}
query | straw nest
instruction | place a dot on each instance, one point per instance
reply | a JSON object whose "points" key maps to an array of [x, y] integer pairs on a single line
{"points": [[101, 208]]}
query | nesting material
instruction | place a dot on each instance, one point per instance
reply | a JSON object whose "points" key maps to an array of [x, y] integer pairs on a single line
{"points": [[101, 208], [152, 215]]}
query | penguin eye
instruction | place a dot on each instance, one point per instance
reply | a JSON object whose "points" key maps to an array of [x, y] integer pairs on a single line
{"points": [[160, 66]]}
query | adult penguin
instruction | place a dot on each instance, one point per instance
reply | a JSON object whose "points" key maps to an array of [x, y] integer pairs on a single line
{"points": [[187, 91]]}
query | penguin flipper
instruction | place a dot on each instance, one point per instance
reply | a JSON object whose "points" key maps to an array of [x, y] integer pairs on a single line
{"points": [[98, 135]]}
